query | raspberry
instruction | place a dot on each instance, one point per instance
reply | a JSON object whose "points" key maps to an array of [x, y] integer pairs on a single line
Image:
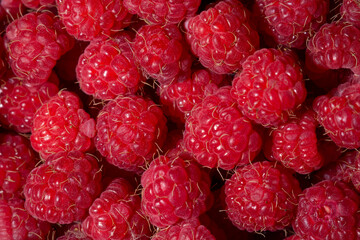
{"points": [[162, 12], [17, 224], [129, 131], [222, 36], [63, 188], [86, 20], [161, 52], [35, 4], [107, 68], [61, 124], [116, 214], [189, 229], [35, 42], [19, 102], [338, 112], [270, 87], [174, 189], [75, 232], [261, 196], [289, 23], [327, 210], [350, 12], [17, 159]]}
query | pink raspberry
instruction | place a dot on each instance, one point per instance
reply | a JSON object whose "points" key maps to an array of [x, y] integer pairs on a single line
{"points": [[63, 188], [270, 86], [222, 36], [129, 131], [327, 210], [86, 20], [289, 23], [350, 12], [61, 124], [161, 52], [34, 43], [174, 189], [36, 4], [107, 68], [162, 12], [117, 214], [261, 196]]}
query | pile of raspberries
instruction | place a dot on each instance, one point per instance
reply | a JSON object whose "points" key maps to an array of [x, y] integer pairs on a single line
{"points": [[180, 119]]}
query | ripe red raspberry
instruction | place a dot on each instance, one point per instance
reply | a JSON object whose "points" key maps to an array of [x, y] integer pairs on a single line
{"points": [[188, 229], [75, 232], [107, 68], [339, 113], [129, 131], [222, 36], [161, 52], [117, 214], [86, 20], [261, 196], [36, 4], [63, 188], [61, 124], [174, 189], [270, 86], [16, 223], [164, 11], [350, 12], [218, 135], [35, 42], [289, 23], [327, 210]]}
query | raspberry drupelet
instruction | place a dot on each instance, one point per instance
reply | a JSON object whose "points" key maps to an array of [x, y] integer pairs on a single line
{"points": [[350, 12]]}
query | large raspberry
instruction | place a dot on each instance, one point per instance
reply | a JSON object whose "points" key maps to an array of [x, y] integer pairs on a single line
{"points": [[164, 11], [107, 68], [327, 210], [350, 12], [61, 124], [270, 86], [34, 43], [218, 135], [289, 22], [63, 188], [174, 189], [261, 196], [117, 214], [161, 52], [129, 131], [222, 36], [88, 19]]}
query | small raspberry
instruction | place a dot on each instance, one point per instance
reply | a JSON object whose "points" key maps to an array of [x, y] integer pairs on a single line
{"points": [[261, 196], [35, 42], [327, 210], [222, 36], [350, 12], [61, 124], [270, 86], [174, 189], [75, 232], [162, 12], [63, 188], [129, 131], [107, 68], [117, 214], [218, 135], [86, 20]]}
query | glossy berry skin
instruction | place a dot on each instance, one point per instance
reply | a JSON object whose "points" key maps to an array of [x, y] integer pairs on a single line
{"points": [[117, 214], [107, 68], [162, 12], [289, 23], [350, 12], [129, 131], [86, 20], [328, 211], [61, 124], [270, 86], [261, 196], [62, 189], [35, 42], [174, 189], [222, 36], [161, 52]]}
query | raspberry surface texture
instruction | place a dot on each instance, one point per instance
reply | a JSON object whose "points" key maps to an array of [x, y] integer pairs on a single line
{"points": [[35, 4], [350, 12]]}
